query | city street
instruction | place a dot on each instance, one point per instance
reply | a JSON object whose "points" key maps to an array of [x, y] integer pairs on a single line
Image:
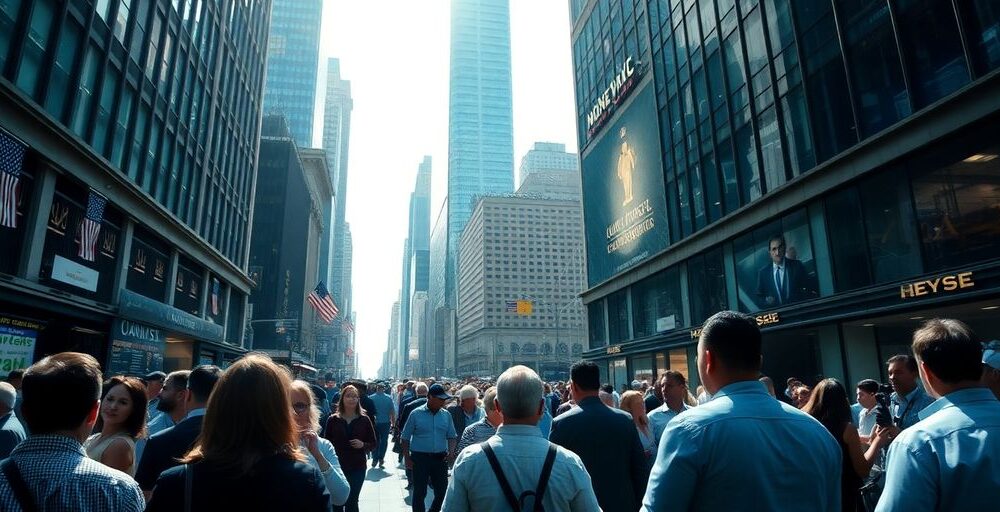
{"points": [[385, 489]]}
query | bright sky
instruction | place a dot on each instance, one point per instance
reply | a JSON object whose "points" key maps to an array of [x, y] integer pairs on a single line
{"points": [[395, 53]]}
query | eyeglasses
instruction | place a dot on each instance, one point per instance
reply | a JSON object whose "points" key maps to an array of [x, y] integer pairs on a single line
{"points": [[299, 407]]}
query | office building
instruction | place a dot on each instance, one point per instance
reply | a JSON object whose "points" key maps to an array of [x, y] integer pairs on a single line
{"points": [[292, 64], [829, 167], [547, 157], [520, 271], [131, 129], [415, 253], [480, 116]]}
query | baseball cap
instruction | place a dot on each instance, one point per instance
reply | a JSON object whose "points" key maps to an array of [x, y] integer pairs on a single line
{"points": [[160, 376], [991, 354], [437, 391]]}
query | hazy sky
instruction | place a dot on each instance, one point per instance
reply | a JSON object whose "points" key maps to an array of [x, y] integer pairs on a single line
{"points": [[395, 53]]}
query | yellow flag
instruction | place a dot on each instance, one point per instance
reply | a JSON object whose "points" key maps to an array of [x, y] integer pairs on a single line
{"points": [[524, 307]]}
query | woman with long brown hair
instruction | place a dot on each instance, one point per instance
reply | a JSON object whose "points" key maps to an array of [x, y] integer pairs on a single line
{"points": [[828, 403], [122, 422], [352, 434], [247, 456]]}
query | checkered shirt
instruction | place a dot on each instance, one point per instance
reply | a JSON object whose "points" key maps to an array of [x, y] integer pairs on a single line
{"points": [[475, 434], [62, 479]]}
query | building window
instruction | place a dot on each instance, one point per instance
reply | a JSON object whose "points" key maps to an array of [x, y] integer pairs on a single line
{"points": [[981, 19], [12, 238], [35, 45], [845, 226], [890, 226], [656, 304], [148, 265], [706, 285], [932, 49], [618, 317]]}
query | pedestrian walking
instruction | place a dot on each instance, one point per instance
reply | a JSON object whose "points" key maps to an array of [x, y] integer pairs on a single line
{"points": [[11, 430], [409, 405], [486, 427], [352, 434], [385, 416], [50, 469], [724, 454], [121, 424], [322, 455], [170, 409], [428, 443], [517, 469], [632, 403], [246, 457], [950, 459], [467, 410], [605, 439], [673, 388]]}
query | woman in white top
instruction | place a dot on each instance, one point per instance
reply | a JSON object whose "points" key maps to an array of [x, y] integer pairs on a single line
{"points": [[121, 423], [320, 451], [633, 404]]}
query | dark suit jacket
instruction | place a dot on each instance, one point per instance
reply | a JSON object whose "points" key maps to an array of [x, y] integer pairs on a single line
{"points": [[608, 442], [798, 285], [458, 418], [651, 402], [11, 434], [163, 450], [410, 407]]}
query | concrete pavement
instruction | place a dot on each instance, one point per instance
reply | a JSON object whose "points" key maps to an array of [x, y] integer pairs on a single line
{"points": [[385, 489]]}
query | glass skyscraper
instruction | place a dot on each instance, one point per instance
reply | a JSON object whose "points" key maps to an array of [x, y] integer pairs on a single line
{"points": [[480, 124], [292, 63]]}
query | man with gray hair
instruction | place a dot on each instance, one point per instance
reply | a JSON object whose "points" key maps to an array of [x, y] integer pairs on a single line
{"points": [[484, 428], [526, 467], [11, 430], [467, 410]]}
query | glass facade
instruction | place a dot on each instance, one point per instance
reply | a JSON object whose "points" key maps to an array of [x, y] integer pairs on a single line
{"points": [[167, 93], [292, 62]]}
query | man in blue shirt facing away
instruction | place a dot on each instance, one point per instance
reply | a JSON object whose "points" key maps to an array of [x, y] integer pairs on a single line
{"points": [[428, 443], [385, 416], [724, 455], [950, 460]]}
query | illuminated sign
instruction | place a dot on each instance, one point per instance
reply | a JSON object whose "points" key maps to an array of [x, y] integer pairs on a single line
{"points": [[761, 319], [946, 283], [618, 89], [614, 349]]}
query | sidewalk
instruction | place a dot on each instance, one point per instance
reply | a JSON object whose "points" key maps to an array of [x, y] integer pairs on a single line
{"points": [[385, 489]]}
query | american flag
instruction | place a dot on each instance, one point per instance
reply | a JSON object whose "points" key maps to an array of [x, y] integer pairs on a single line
{"points": [[321, 301], [511, 306], [11, 159], [90, 227], [215, 296], [348, 326]]}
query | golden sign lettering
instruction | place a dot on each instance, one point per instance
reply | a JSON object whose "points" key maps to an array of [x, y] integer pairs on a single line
{"points": [[946, 283], [614, 349]]}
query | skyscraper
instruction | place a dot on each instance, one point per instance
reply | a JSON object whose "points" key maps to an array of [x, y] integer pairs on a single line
{"points": [[416, 256], [480, 116], [547, 156], [336, 138], [292, 62]]}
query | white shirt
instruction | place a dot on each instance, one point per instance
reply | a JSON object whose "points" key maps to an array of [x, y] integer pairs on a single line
{"points": [[334, 477]]}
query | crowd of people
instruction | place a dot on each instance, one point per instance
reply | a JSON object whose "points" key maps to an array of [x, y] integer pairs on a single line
{"points": [[251, 437]]}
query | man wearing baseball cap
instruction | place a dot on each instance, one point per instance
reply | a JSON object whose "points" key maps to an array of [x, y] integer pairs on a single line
{"points": [[428, 445], [991, 367]]}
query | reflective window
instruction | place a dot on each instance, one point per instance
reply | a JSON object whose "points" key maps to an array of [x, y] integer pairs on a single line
{"points": [[844, 228], [656, 304], [706, 285], [148, 265], [33, 51], [958, 209], [775, 264], [877, 79], [929, 36], [59, 80], [890, 226], [981, 19], [105, 110], [596, 324], [770, 148], [188, 287], [618, 319], [84, 103], [8, 16]]}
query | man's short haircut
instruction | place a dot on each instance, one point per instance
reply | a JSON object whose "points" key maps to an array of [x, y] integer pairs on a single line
{"points": [[586, 375], [60, 391], [950, 349], [868, 386], [734, 339], [8, 395], [906, 359], [777, 236], [675, 376], [488, 399], [468, 391], [420, 389], [178, 379], [519, 391], [202, 381]]}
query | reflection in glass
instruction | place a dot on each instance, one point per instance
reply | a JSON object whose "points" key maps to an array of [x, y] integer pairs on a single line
{"points": [[707, 285], [618, 319], [595, 324], [892, 239], [844, 226], [656, 304], [929, 36], [775, 264], [958, 210], [982, 27]]}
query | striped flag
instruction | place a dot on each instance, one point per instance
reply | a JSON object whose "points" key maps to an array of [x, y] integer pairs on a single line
{"points": [[321, 301], [349, 351], [11, 160], [348, 326], [511, 306], [90, 227]]}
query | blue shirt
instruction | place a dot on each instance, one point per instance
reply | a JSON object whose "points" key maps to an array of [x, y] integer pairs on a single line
{"points": [[856, 414], [745, 450], [428, 432], [950, 460], [900, 405], [545, 423], [659, 417], [383, 407]]}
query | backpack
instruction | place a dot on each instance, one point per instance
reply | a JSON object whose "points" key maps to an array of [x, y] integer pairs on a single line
{"points": [[529, 501]]}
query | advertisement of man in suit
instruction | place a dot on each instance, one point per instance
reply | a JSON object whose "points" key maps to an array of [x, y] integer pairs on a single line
{"points": [[784, 279]]}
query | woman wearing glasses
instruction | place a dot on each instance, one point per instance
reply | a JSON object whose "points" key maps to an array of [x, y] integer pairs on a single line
{"points": [[353, 435], [320, 451]]}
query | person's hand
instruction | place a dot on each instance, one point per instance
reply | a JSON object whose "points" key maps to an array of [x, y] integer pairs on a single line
{"points": [[311, 440], [890, 432], [879, 437], [409, 462], [356, 443]]}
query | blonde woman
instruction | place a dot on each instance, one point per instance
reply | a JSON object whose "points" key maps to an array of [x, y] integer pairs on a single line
{"points": [[633, 404], [321, 453]]}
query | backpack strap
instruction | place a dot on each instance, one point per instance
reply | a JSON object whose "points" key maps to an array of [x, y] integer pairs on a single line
{"points": [[504, 484], [543, 480], [21, 492]]}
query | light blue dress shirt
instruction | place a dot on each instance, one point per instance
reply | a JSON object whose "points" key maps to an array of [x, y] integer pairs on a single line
{"points": [[745, 450], [333, 477], [950, 460], [545, 424], [856, 414], [521, 451], [659, 417], [898, 405], [428, 432], [383, 407]]}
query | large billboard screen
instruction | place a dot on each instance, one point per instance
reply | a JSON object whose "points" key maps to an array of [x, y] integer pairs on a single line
{"points": [[623, 198]]}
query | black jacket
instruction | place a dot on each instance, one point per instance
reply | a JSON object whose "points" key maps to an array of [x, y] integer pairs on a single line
{"points": [[408, 409], [798, 284], [608, 442], [164, 448], [276, 483]]}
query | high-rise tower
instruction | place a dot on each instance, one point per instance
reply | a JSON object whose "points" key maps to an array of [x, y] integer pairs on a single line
{"points": [[292, 62]]}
